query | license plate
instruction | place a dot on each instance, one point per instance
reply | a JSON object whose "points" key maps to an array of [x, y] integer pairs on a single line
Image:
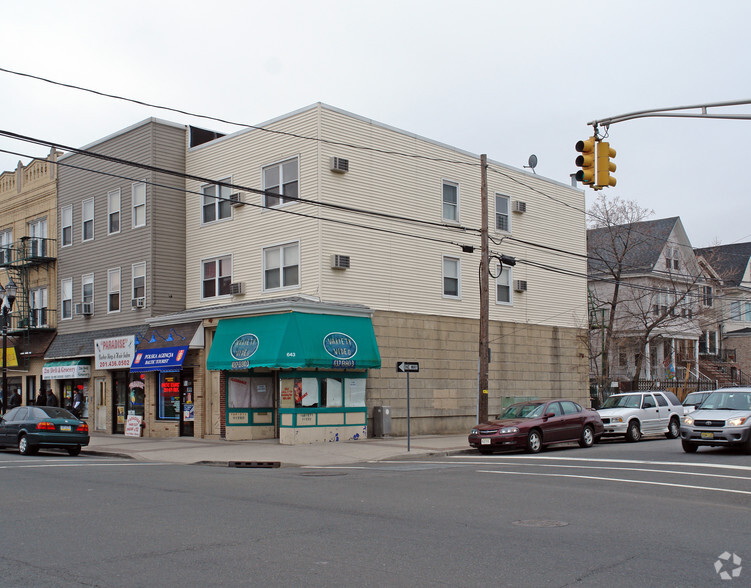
{"points": [[65, 427], [485, 441], [707, 435]]}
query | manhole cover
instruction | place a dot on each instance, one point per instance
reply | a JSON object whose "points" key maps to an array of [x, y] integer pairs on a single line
{"points": [[539, 523]]}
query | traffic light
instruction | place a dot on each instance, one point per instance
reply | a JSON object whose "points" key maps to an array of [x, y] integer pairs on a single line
{"points": [[586, 161], [604, 166]]}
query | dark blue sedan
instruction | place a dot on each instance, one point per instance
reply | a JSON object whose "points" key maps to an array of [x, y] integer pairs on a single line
{"points": [[33, 427]]}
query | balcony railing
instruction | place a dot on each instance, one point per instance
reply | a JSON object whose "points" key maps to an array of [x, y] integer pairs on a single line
{"points": [[34, 319], [28, 251]]}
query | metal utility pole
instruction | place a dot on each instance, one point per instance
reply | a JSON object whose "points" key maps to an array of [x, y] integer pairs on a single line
{"points": [[482, 401]]}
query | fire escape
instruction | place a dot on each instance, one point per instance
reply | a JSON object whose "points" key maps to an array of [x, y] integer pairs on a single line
{"points": [[28, 262]]}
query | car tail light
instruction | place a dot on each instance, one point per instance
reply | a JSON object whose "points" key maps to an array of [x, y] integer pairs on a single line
{"points": [[45, 426], [83, 428]]}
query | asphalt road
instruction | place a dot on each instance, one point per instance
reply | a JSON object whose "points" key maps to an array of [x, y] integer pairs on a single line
{"points": [[614, 515]]}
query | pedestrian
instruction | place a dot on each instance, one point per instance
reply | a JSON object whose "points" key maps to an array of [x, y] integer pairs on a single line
{"points": [[51, 398], [41, 398], [15, 400], [77, 404]]}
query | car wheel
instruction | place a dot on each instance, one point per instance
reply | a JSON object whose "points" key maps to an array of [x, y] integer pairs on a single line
{"points": [[689, 447], [73, 451], [587, 438], [674, 429], [534, 442], [24, 447], [633, 433]]}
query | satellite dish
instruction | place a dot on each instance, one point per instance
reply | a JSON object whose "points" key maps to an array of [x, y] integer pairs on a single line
{"points": [[532, 163]]}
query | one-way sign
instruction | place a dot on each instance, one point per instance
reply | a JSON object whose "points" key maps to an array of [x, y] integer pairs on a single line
{"points": [[407, 366]]}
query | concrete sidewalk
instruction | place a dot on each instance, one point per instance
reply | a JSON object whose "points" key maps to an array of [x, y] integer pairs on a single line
{"points": [[188, 450]]}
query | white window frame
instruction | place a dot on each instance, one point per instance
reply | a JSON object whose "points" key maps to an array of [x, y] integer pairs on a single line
{"points": [[66, 295], [86, 219], [38, 301], [114, 202], [283, 181], [87, 280], [506, 215], [457, 264], [66, 222], [138, 272], [6, 245], [218, 202], [505, 279], [217, 279], [452, 206], [138, 203], [283, 250], [114, 288]]}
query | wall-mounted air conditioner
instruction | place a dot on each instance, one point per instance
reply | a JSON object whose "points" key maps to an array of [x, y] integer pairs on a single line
{"points": [[339, 165], [340, 262], [237, 199], [85, 308], [519, 206], [138, 302], [237, 288], [520, 285]]}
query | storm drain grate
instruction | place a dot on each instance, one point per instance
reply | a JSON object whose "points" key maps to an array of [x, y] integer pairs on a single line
{"points": [[254, 464], [539, 523]]}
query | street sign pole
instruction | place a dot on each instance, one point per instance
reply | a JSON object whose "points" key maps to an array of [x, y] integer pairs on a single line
{"points": [[405, 367]]}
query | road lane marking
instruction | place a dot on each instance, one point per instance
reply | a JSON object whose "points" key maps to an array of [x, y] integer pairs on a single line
{"points": [[80, 465], [599, 460], [647, 482]]}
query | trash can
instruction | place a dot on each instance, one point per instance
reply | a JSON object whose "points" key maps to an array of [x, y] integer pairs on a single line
{"points": [[381, 421]]}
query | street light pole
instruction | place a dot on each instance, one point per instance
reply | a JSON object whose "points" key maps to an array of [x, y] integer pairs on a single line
{"points": [[8, 295]]}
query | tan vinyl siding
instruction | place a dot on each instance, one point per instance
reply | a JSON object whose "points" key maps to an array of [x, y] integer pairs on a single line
{"points": [[399, 267]]}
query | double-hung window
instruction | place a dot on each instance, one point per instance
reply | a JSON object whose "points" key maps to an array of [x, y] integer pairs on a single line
{"points": [[282, 179], [451, 277], [450, 201], [113, 290], [216, 276], [66, 296], [139, 280], [113, 212], [38, 238], [503, 286], [87, 224], [66, 226], [502, 219], [38, 307], [87, 288], [706, 296], [139, 205], [216, 202], [6, 246], [281, 267]]}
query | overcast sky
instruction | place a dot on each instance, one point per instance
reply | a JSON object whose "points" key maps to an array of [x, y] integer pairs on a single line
{"points": [[499, 77]]}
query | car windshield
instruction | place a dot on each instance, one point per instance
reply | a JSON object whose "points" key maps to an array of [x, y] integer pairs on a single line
{"points": [[622, 401], [526, 410], [727, 401], [694, 398]]}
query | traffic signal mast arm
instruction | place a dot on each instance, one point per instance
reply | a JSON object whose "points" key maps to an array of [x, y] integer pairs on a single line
{"points": [[673, 113]]}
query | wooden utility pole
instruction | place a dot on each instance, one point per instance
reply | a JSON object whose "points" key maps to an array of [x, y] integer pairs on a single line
{"points": [[482, 401]]}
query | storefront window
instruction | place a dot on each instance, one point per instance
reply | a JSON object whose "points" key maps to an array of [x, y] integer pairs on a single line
{"points": [[331, 392], [169, 396], [306, 392], [323, 392], [251, 392], [354, 391]]}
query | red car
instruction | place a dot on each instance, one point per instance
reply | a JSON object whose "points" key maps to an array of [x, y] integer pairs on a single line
{"points": [[534, 424]]}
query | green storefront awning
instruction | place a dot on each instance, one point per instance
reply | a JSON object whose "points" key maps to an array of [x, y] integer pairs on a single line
{"points": [[294, 340]]}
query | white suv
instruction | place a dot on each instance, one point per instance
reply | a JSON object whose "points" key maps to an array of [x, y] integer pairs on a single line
{"points": [[634, 414], [723, 419]]}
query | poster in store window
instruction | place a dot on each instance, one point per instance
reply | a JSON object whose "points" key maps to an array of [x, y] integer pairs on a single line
{"points": [[287, 393], [355, 391]]}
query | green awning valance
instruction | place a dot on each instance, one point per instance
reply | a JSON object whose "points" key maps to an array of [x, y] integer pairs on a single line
{"points": [[294, 340]]}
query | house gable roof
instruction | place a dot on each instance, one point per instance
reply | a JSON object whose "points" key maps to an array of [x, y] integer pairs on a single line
{"points": [[729, 261]]}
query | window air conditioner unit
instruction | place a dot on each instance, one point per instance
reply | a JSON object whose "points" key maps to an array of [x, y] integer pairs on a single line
{"points": [[519, 206], [237, 288], [237, 199], [339, 165], [85, 308], [138, 302], [520, 285], [340, 262]]}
